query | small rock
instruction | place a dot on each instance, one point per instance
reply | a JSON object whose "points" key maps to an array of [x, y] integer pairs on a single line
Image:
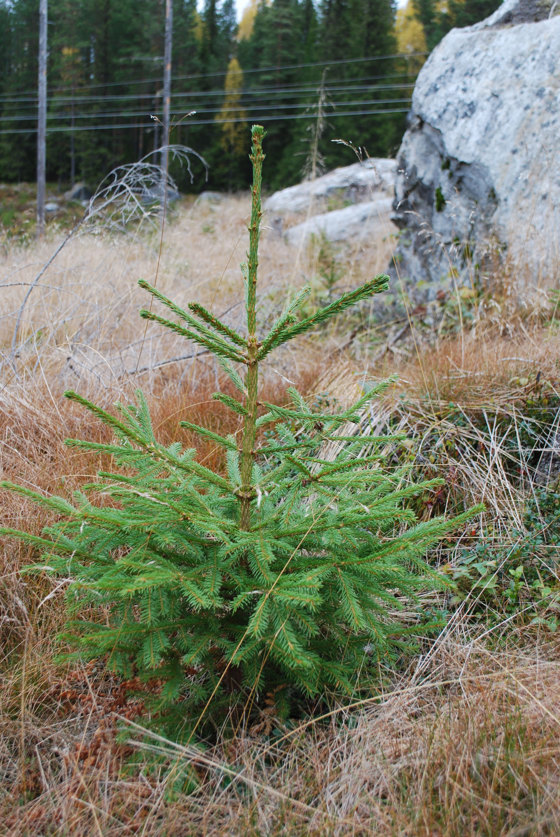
{"points": [[209, 198], [78, 192], [155, 195]]}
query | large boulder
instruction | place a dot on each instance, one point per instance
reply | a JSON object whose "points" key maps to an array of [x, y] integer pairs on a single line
{"points": [[348, 224], [478, 171], [349, 184]]}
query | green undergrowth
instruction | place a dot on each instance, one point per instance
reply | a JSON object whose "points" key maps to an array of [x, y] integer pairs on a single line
{"points": [[508, 565]]}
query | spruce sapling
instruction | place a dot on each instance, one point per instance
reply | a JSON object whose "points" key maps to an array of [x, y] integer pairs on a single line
{"points": [[279, 572]]}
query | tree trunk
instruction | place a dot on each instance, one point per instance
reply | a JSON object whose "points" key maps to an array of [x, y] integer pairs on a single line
{"points": [[166, 96], [42, 120]]}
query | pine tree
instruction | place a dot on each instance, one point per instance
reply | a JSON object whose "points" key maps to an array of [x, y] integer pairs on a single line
{"points": [[286, 571]]}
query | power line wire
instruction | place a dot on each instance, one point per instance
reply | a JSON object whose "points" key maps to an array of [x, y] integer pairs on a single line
{"points": [[240, 105], [223, 73], [256, 118], [312, 85], [249, 91]]}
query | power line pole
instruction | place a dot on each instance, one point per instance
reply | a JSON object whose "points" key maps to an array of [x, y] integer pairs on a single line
{"points": [[166, 93], [42, 119]]}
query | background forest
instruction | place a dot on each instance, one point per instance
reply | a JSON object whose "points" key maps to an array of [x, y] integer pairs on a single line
{"points": [[286, 64]]}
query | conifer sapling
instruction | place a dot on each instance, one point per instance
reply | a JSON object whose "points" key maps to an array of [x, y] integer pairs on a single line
{"points": [[282, 571]]}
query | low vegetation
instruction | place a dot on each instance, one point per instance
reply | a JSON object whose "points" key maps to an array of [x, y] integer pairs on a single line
{"points": [[457, 736]]}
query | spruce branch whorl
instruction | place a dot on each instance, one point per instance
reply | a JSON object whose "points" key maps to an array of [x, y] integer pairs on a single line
{"points": [[212, 343], [377, 285], [217, 324]]}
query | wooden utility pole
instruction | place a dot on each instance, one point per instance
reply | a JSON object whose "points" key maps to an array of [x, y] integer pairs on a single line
{"points": [[42, 119], [166, 93]]}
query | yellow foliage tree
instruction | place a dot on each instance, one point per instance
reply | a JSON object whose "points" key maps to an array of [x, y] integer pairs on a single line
{"points": [[245, 28], [410, 36], [232, 115], [198, 27]]}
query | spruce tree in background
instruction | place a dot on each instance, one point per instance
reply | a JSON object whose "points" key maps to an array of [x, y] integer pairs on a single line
{"points": [[467, 12], [438, 20], [187, 41], [278, 35], [287, 570], [350, 30], [68, 46], [211, 45]]}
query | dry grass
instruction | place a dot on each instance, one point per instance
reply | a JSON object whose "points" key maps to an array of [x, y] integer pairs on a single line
{"points": [[463, 742], [80, 325]]}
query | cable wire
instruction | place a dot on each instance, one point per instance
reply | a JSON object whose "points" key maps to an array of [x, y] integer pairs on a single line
{"points": [[223, 73], [245, 120], [222, 110], [220, 93]]}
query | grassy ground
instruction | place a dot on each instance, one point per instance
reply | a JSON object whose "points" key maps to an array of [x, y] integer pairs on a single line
{"points": [[18, 211], [460, 739]]}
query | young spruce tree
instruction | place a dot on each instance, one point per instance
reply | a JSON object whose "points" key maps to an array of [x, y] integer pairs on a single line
{"points": [[285, 571]]}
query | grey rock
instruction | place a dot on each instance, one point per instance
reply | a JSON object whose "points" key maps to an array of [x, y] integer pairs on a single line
{"points": [[478, 171], [52, 207], [155, 194], [209, 197], [349, 223], [78, 192], [352, 184]]}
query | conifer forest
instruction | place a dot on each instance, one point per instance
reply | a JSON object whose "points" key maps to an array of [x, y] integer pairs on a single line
{"points": [[346, 67]]}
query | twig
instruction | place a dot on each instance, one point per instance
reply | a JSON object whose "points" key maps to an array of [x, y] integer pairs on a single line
{"points": [[162, 363], [33, 285]]}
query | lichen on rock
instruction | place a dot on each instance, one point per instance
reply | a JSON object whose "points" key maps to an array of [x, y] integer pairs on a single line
{"points": [[478, 171]]}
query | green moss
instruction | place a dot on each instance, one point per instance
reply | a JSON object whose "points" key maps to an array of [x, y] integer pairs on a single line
{"points": [[440, 200]]}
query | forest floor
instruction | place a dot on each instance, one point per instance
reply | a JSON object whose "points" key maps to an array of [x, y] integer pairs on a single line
{"points": [[461, 738]]}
